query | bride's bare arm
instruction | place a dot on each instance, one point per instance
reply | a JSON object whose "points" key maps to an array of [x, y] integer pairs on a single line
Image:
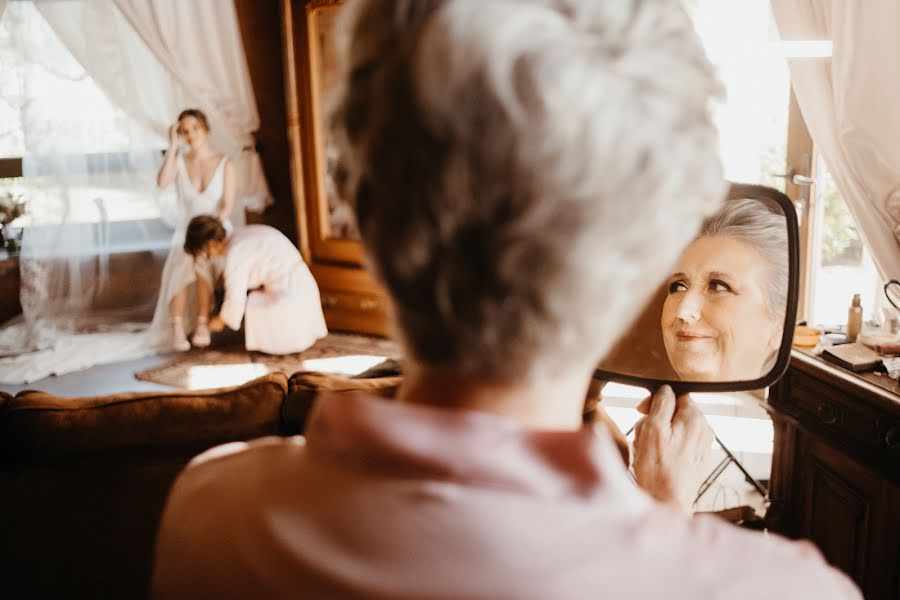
{"points": [[168, 169]]}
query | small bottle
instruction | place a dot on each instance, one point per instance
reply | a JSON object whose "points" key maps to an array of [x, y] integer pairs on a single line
{"points": [[854, 319]]}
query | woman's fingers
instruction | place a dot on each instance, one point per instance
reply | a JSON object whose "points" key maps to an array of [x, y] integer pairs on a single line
{"points": [[662, 407], [643, 406]]}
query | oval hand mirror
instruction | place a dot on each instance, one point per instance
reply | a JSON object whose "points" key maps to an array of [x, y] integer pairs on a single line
{"points": [[723, 319]]}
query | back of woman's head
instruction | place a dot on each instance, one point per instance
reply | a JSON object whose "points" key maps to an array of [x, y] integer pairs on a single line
{"points": [[201, 230], [524, 171]]}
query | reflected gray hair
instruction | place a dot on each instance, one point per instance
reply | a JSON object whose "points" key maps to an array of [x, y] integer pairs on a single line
{"points": [[761, 225], [523, 172]]}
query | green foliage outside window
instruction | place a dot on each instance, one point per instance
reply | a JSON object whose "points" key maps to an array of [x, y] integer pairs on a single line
{"points": [[841, 244]]}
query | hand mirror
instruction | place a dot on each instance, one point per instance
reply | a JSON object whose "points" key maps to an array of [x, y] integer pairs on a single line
{"points": [[723, 318]]}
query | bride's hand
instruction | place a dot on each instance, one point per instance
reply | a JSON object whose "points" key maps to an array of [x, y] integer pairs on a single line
{"points": [[173, 135]]}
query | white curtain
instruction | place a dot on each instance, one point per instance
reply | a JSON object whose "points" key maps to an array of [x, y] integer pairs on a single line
{"points": [[199, 42], [90, 162], [89, 180], [850, 104]]}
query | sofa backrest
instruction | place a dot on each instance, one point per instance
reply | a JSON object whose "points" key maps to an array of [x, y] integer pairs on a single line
{"points": [[83, 481], [36, 423]]}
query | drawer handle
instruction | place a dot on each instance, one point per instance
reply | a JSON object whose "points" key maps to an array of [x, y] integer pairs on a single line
{"points": [[826, 413], [892, 438], [329, 301]]}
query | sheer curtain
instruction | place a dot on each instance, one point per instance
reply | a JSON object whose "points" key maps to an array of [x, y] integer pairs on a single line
{"points": [[89, 173], [849, 103], [199, 43], [90, 162]]}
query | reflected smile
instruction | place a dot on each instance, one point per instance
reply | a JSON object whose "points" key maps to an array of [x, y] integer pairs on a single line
{"points": [[691, 336]]}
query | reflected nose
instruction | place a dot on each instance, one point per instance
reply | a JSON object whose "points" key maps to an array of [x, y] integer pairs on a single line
{"points": [[690, 307]]}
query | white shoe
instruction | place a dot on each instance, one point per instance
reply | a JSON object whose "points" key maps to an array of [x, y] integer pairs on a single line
{"points": [[201, 339], [181, 344]]}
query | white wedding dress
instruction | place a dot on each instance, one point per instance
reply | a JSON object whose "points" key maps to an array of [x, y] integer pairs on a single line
{"points": [[179, 270], [61, 351]]}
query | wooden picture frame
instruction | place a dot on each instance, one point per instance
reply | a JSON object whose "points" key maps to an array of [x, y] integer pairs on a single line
{"points": [[351, 299]]}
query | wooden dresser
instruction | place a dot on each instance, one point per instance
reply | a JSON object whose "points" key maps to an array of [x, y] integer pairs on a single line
{"points": [[836, 469]]}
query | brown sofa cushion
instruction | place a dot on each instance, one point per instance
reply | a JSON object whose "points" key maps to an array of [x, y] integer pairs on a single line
{"points": [[36, 423], [304, 387], [84, 480]]}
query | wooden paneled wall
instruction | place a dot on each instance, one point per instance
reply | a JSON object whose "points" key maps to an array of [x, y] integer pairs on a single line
{"points": [[260, 23]]}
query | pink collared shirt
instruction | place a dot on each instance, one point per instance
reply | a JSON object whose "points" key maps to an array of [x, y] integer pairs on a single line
{"points": [[390, 500]]}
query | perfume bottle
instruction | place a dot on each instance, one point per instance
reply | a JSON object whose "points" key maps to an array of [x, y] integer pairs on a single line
{"points": [[854, 319]]}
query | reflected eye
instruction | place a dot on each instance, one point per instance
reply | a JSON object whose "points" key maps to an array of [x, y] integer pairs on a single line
{"points": [[717, 285], [677, 286]]}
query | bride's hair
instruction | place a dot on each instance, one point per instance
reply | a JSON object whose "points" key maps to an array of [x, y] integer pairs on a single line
{"points": [[201, 230], [197, 114]]}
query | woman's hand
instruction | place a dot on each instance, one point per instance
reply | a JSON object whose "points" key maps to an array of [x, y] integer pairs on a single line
{"points": [[216, 324], [169, 169], [671, 447], [173, 135]]}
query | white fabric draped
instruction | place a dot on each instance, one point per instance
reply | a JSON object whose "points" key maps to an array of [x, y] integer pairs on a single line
{"points": [[199, 42], [90, 174], [850, 106]]}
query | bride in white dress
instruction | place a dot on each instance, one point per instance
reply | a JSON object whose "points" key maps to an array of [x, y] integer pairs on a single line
{"points": [[205, 185]]}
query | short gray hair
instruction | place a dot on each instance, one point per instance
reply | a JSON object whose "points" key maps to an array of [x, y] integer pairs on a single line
{"points": [[760, 223], [524, 171]]}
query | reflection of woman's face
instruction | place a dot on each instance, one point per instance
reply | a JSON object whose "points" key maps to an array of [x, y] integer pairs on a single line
{"points": [[193, 131], [716, 325]]}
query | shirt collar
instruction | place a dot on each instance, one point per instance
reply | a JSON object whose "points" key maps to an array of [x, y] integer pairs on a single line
{"points": [[463, 446]]}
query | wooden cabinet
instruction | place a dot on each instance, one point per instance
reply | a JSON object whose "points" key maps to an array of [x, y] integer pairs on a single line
{"points": [[836, 469], [326, 234]]}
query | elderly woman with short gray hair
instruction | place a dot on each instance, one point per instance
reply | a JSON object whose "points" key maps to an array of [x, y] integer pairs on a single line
{"points": [[523, 175], [723, 316]]}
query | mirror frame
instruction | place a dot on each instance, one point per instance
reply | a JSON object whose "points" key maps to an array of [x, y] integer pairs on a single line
{"points": [[323, 247], [761, 192]]}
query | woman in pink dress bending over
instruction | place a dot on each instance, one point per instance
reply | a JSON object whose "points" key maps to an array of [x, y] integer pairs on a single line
{"points": [[282, 312], [205, 183]]}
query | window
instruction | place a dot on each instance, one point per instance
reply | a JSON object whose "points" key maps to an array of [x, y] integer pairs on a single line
{"points": [[50, 107], [738, 37], [765, 140], [840, 265]]}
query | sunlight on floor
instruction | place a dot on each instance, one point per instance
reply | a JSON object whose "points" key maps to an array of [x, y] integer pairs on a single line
{"points": [[213, 376], [353, 364]]}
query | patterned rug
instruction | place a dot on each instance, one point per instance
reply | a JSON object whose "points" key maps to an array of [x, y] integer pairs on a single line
{"points": [[229, 365]]}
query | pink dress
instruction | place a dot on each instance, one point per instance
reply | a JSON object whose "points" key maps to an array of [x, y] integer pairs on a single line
{"points": [[389, 500], [282, 312]]}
